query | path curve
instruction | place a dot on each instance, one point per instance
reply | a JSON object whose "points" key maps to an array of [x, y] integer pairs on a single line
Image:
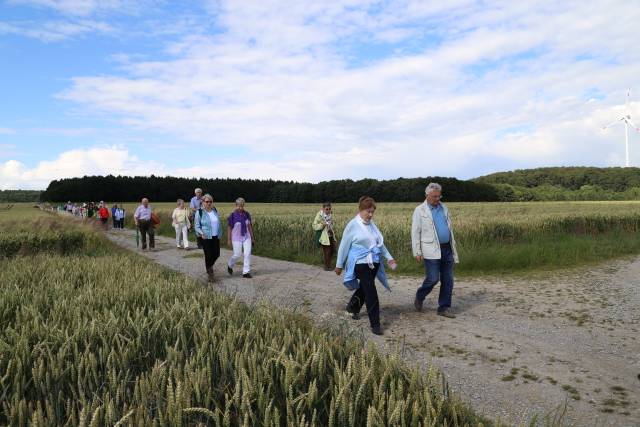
{"points": [[518, 347]]}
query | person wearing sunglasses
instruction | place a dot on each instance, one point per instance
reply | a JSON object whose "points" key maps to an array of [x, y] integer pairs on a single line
{"points": [[209, 230], [325, 237]]}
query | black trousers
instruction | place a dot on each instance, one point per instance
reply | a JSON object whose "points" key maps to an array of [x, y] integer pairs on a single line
{"points": [[366, 293], [145, 227], [211, 248]]}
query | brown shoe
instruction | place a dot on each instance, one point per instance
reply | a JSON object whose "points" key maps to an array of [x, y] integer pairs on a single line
{"points": [[446, 313], [417, 304]]}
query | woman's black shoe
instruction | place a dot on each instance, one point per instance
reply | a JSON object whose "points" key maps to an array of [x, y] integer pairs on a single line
{"points": [[229, 270], [247, 275], [377, 330]]}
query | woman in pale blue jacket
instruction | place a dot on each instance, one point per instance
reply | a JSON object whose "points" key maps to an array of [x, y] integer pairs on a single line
{"points": [[209, 230], [360, 252]]}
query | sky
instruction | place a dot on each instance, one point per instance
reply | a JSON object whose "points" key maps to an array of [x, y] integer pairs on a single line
{"points": [[311, 91]]}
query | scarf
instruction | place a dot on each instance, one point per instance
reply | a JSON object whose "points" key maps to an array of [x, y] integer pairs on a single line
{"points": [[241, 217], [328, 220]]}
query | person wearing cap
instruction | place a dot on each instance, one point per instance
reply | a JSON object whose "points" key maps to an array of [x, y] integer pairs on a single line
{"points": [[433, 244]]}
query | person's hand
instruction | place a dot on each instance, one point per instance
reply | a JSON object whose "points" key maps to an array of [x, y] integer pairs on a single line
{"points": [[338, 271], [419, 258], [393, 264]]}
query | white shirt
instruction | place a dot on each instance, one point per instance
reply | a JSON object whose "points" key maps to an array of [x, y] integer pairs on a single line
{"points": [[214, 220]]}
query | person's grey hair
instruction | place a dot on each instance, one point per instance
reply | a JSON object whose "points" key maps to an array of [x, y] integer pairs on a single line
{"points": [[207, 196], [240, 201], [198, 190], [144, 198], [433, 186], [180, 201]]}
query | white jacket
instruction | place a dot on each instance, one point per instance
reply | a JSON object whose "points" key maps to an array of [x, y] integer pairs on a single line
{"points": [[424, 238]]}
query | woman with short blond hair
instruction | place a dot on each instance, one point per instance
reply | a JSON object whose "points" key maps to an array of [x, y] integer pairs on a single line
{"points": [[181, 223]]}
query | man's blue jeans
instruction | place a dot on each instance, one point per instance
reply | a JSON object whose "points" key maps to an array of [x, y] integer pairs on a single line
{"points": [[438, 270]]}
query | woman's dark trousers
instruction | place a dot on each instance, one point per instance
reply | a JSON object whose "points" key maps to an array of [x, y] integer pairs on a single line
{"points": [[366, 293], [211, 248]]}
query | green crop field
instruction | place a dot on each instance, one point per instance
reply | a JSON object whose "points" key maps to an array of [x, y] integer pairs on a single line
{"points": [[493, 238], [92, 336]]}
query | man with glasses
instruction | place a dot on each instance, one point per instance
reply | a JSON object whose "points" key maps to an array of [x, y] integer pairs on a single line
{"points": [[433, 244], [325, 237]]}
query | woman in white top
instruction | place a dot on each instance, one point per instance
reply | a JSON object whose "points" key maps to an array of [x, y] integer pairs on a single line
{"points": [[180, 221], [209, 229]]}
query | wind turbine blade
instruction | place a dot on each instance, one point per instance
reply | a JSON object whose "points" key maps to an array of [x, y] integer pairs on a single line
{"points": [[611, 124], [633, 125]]}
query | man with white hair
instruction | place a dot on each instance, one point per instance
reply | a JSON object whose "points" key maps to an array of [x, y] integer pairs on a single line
{"points": [[433, 244], [195, 204]]}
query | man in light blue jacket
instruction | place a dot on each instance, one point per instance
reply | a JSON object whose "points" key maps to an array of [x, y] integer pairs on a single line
{"points": [[433, 244]]}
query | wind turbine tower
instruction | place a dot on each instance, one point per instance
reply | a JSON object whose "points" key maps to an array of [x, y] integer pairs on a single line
{"points": [[626, 119]]}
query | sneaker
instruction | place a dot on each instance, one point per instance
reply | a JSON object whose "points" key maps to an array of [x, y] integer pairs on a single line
{"points": [[229, 270], [446, 313], [417, 304], [376, 330], [247, 275], [354, 316], [210, 276]]}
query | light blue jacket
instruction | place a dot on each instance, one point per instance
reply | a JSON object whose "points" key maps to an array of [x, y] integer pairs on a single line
{"points": [[354, 249], [203, 225]]}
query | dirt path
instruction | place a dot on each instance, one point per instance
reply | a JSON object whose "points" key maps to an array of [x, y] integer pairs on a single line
{"points": [[517, 347]]}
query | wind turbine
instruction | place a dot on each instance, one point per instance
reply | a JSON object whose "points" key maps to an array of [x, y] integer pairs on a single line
{"points": [[626, 119]]}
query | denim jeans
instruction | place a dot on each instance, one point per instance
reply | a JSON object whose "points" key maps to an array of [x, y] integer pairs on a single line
{"points": [[438, 270]]}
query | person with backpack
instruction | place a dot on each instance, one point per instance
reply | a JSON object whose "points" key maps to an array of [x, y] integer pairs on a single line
{"points": [[142, 219], [209, 229]]}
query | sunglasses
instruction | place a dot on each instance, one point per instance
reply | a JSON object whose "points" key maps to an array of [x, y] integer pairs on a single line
{"points": [[208, 201]]}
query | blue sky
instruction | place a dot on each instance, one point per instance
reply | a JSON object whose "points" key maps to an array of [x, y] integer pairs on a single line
{"points": [[312, 90]]}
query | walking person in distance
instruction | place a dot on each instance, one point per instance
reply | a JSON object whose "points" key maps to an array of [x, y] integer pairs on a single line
{"points": [[142, 219], [195, 204], [181, 223], [433, 244], [325, 237]]}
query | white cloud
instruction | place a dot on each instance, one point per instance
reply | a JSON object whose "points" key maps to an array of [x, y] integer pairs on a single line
{"points": [[54, 31], [75, 163], [85, 7], [468, 86]]}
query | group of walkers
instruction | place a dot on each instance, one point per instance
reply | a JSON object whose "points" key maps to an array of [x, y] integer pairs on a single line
{"points": [[359, 259], [99, 211], [207, 224]]}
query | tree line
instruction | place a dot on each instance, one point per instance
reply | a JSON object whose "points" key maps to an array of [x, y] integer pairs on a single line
{"points": [[168, 189], [19, 196], [570, 178]]}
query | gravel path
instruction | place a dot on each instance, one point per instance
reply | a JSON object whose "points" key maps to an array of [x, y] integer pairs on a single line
{"points": [[518, 347]]}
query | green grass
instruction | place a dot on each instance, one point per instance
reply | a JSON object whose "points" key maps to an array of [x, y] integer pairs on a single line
{"points": [[100, 337]]}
